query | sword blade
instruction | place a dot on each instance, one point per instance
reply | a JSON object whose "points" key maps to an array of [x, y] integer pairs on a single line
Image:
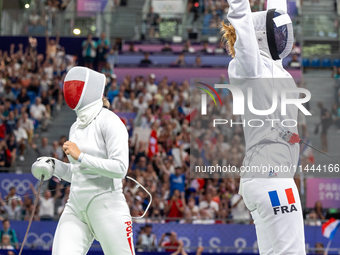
{"points": [[32, 215], [320, 151]]}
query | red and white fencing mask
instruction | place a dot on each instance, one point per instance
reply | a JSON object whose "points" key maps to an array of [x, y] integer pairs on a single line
{"points": [[82, 87]]}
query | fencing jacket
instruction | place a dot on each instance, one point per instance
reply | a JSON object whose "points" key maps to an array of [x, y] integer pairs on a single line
{"points": [[255, 69], [105, 144]]}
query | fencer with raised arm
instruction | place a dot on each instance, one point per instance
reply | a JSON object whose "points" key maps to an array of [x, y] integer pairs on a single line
{"points": [[98, 154], [258, 42]]}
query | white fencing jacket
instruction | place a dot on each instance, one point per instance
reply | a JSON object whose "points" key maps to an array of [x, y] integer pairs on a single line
{"points": [[254, 68], [105, 144]]}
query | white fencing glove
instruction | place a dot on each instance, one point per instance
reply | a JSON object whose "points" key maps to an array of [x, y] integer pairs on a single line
{"points": [[43, 166]]}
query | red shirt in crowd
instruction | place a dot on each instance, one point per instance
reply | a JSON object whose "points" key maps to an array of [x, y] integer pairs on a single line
{"points": [[174, 212], [169, 244]]}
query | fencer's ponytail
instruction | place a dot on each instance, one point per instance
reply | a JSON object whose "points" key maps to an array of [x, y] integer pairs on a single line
{"points": [[106, 103], [229, 36]]}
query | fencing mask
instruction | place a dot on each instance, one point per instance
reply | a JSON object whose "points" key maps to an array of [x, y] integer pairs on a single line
{"points": [[83, 87], [274, 32]]}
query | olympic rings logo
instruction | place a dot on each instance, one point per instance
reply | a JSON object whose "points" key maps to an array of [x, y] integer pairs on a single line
{"points": [[45, 240], [20, 186]]}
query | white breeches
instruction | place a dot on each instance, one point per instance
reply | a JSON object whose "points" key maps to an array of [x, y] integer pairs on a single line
{"points": [[276, 209], [107, 219]]}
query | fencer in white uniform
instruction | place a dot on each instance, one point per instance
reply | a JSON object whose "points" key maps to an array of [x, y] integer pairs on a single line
{"points": [[98, 153], [262, 40]]}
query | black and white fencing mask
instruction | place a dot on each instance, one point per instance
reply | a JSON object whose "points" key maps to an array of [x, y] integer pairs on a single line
{"points": [[274, 32]]}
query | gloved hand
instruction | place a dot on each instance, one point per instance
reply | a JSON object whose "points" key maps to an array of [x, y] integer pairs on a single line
{"points": [[43, 166]]}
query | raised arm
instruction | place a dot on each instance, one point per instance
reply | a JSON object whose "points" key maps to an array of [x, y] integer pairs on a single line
{"points": [[247, 54], [47, 38], [57, 38], [116, 139], [277, 4]]}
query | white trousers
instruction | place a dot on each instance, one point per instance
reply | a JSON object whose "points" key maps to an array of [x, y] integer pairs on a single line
{"points": [[107, 219], [276, 209]]}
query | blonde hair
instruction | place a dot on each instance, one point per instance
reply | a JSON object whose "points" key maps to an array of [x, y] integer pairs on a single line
{"points": [[229, 36], [106, 103]]}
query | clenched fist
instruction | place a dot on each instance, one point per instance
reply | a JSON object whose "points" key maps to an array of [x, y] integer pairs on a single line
{"points": [[71, 149]]}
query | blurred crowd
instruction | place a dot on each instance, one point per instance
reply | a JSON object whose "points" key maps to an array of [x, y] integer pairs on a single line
{"points": [[214, 11], [30, 95]]}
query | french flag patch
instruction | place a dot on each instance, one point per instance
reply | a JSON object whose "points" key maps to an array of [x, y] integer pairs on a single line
{"points": [[281, 205]]}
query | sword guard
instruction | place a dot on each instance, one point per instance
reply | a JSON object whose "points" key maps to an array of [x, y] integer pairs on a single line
{"points": [[291, 137]]}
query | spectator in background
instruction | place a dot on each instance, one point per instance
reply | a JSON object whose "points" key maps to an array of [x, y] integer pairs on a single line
{"points": [[89, 51], [239, 211], [111, 58], [45, 82], [8, 93], [220, 48], [208, 207], [12, 195], [198, 61], [146, 61], [173, 244], [295, 63], [23, 99], [180, 60], [326, 122], [140, 104], [58, 152], [39, 113], [12, 149], [45, 100], [8, 107], [21, 139], [193, 208], [320, 212], [13, 210], [6, 243], [319, 248], [51, 46], [152, 20], [103, 45], [47, 202], [7, 230], [28, 125], [10, 123], [119, 102], [4, 162], [107, 70], [296, 49], [132, 48], [151, 85], [45, 149], [168, 104], [206, 48], [147, 240], [34, 18], [177, 180], [166, 48], [51, 7], [175, 206], [312, 219], [187, 48]]}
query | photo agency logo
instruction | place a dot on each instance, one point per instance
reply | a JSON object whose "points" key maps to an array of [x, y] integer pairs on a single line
{"points": [[280, 98], [204, 97]]}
